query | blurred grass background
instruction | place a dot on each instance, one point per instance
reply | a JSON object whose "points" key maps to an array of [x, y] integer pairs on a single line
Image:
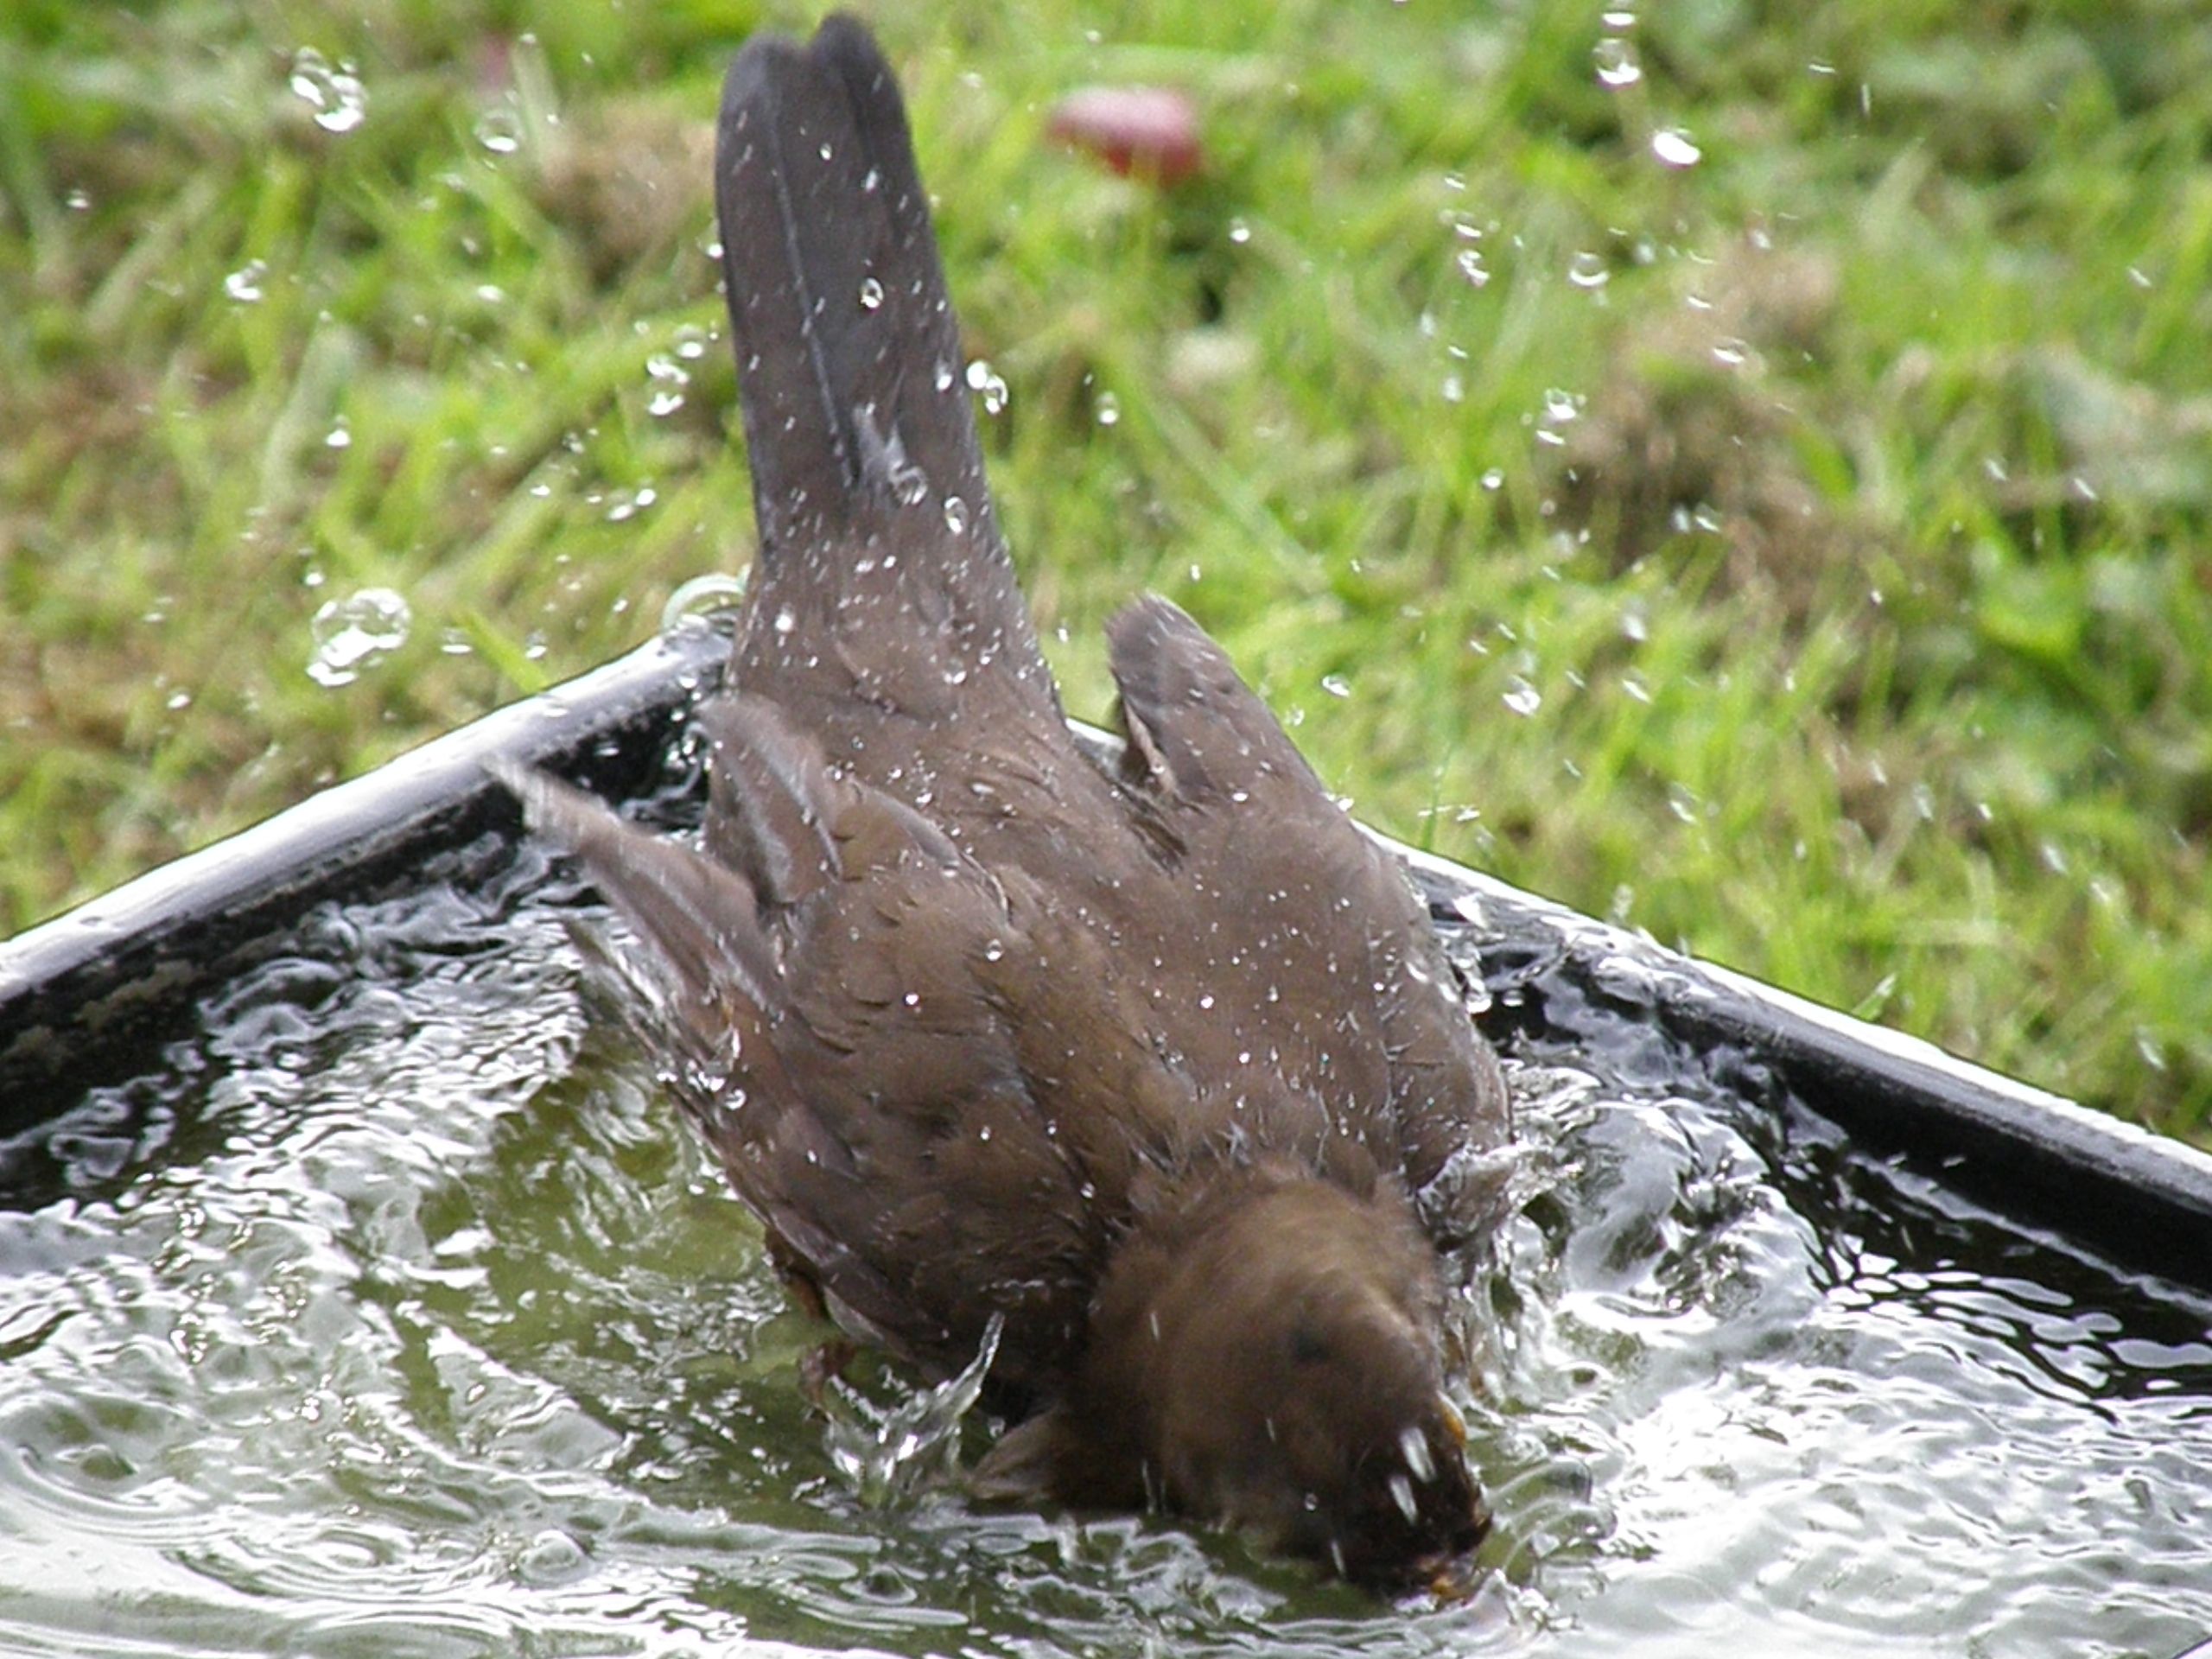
{"points": [[1742, 469]]}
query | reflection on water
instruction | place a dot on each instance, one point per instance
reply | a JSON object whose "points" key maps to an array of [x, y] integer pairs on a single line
{"points": [[395, 1316]]}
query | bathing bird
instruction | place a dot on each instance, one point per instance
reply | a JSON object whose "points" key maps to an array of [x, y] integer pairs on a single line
{"points": [[1155, 1063]]}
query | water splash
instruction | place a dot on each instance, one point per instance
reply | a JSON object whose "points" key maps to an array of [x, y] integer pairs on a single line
{"points": [[1729, 1378], [890, 1455]]}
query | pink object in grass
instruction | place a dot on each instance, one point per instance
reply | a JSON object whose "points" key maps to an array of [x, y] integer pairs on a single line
{"points": [[1144, 133]]}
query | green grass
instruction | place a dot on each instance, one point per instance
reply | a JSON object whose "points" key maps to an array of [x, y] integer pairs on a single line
{"points": [[1827, 590]]}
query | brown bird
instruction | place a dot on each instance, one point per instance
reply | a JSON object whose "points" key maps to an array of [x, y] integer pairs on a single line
{"points": [[1161, 1064]]}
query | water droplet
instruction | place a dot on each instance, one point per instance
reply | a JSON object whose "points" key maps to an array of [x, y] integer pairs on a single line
{"points": [[1401, 1494], [871, 293], [1675, 147], [1108, 408], [551, 1558], [696, 601], [627, 504], [983, 379], [352, 634], [1239, 232], [500, 129], [335, 95], [1560, 406], [1470, 262], [668, 376], [341, 435], [909, 486], [1588, 270], [1336, 685], [691, 342], [1521, 696], [1617, 62], [956, 515], [244, 284], [1733, 351]]}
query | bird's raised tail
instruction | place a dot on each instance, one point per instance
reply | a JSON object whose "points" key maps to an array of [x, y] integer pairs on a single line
{"points": [[867, 479]]}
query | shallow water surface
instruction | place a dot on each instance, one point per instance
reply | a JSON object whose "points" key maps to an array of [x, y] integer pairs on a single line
{"points": [[395, 1316]]}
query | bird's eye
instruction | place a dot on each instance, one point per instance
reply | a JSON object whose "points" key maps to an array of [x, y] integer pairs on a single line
{"points": [[1305, 1347]]}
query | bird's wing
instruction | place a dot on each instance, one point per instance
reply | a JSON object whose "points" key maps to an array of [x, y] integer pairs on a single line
{"points": [[919, 1074], [1376, 1026]]}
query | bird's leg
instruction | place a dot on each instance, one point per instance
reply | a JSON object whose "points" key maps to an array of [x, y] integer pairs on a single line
{"points": [[826, 1361]]}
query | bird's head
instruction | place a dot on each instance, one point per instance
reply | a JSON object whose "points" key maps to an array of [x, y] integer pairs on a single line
{"points": [[1273, 1357]]}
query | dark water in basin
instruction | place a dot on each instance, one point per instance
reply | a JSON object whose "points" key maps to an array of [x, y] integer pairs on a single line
{"points": [[396, 1317]]}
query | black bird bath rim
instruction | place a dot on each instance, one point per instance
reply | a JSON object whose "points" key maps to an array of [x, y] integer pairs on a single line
{"points": [[86, 996]]}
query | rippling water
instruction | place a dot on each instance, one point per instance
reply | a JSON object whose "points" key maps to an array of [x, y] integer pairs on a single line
{"points": [[395, 1316]]}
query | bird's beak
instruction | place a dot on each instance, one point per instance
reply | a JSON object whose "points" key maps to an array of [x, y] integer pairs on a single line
{"points": [[1454, 1424], [1453, 1579]]}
